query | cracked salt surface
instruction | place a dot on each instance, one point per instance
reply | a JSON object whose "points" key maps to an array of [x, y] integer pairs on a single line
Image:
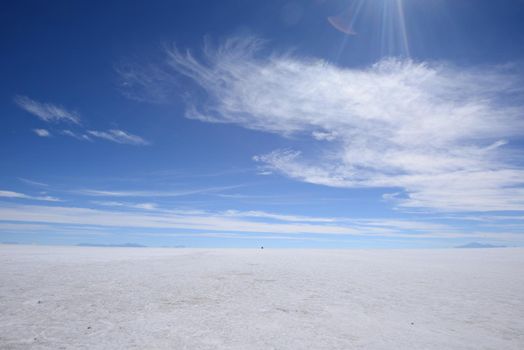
{"points": [[122, 298]]}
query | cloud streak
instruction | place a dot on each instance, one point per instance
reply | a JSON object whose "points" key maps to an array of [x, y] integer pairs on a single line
{"points": [[33, 183], [18, 195], [143, 206], [112, 135], [188, 222], [438, 136], [118, 136], [78, 136], [230, 221], [146, 193], [47, 112], [53, 113]]}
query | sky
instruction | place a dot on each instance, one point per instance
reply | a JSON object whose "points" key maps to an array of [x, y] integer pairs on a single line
{"points": [[235, 123]]}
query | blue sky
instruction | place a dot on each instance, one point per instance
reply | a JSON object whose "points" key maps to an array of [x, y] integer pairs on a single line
{"points": [[384, 123]]}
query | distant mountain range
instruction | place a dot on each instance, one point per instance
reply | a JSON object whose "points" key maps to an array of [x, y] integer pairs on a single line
{"points": [[121, 245], [479, 245]]}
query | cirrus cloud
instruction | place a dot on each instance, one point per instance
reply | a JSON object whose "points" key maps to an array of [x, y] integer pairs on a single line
{"points": [[47, 112], [18, 195], [42, 132], [439, 135], [118, 136]]}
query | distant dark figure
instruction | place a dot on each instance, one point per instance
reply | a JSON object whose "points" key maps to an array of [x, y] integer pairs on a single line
{"points": [[262, 247]]}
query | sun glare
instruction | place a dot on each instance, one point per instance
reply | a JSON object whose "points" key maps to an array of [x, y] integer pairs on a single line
{"points": [[383, 22]]}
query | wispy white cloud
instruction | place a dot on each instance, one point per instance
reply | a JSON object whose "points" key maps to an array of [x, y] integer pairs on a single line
{"points": [[113, 135], [42, 132], [143, 206], [210, 222], [53, 113], [324, 136], [33, 183], [244, 236], [11, 194], [235, 222], [149, 193], [47, 112], [148, 84], [78, 136], [279, 217], [118, 136], [440, 135], [24, 228]]}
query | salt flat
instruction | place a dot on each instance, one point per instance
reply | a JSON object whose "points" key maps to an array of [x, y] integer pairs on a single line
{"points": [[120, 298]]}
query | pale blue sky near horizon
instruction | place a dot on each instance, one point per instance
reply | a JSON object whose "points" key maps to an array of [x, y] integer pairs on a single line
{"points": [[314, 123]]}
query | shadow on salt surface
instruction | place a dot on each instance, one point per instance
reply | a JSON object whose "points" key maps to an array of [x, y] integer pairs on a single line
{"points": [[305, 312]]}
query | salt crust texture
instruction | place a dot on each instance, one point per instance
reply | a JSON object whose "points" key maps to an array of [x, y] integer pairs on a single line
{"points": [[147, 298]]}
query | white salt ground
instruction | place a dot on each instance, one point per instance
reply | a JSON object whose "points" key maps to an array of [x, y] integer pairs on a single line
{"points": [[125, 298]]}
